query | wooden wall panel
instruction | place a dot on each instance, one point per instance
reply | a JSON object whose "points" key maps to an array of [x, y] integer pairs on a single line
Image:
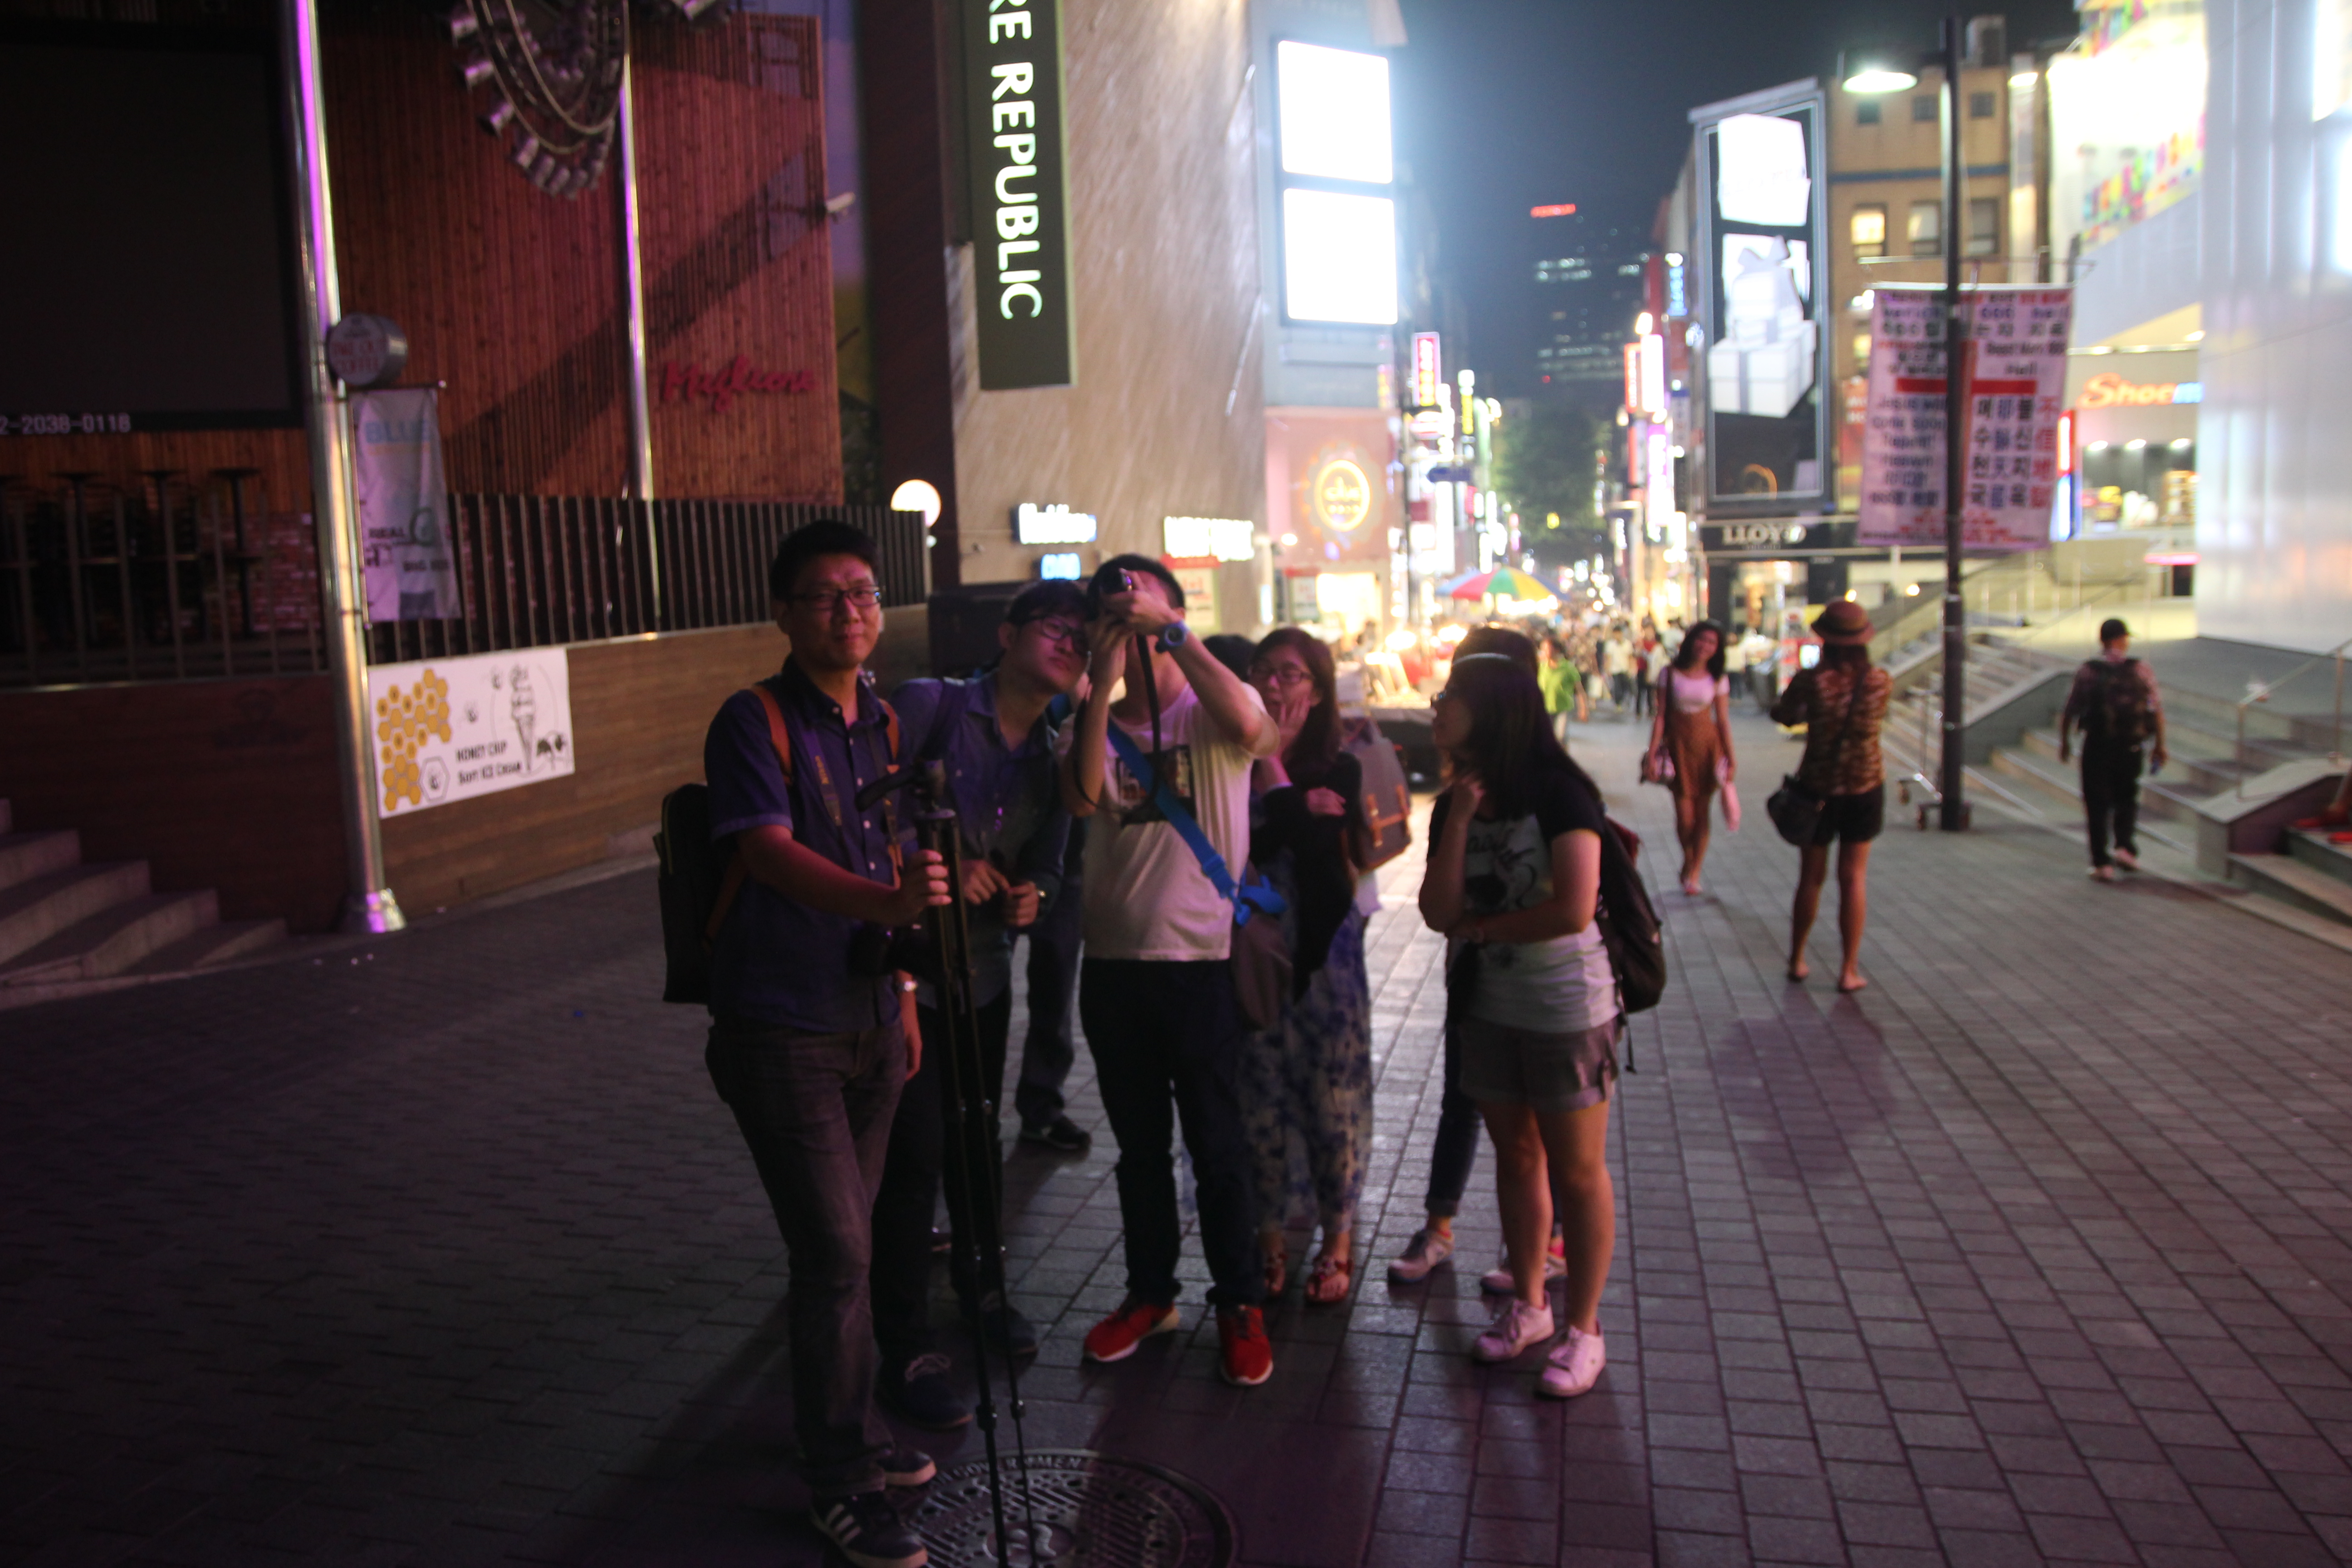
{"points": [[228, 785]]}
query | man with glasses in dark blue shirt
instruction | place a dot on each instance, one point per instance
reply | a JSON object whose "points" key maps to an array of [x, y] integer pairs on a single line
{"points": [[813, 1034], [993, 739]]}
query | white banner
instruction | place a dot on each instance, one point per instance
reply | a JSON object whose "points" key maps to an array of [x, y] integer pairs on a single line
{"points": [[450, 729], [405, 550], [2014, 357]]}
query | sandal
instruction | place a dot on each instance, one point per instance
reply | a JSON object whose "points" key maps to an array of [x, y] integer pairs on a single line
{"points": [[1277, 1270], [1328, 1281]]}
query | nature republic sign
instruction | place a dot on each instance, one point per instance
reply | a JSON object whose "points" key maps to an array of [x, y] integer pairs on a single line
{"points": [[1020, 193]]}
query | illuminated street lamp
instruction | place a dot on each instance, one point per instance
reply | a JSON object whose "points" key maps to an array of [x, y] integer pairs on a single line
{"points": [[1866, 71]]}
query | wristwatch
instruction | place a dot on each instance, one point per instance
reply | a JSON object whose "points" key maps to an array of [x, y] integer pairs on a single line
{"points": [[1173, 636]]}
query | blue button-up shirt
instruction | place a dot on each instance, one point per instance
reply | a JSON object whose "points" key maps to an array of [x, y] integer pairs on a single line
{"points": [[778, 962], [1007, 802]]}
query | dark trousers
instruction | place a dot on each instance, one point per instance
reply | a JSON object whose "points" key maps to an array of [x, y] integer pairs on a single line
{"points": [[816, 1112], [1643, 692], [1167, 1043], [1621, 687], [1455, 1148], [911, 1183], [2111, 796], [1051, 1047]]}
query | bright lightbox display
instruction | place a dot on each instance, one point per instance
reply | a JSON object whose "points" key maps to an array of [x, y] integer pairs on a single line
{"points": [[1339, 261], [1335, 113]]}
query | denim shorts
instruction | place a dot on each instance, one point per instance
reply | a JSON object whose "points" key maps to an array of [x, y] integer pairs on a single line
{"points": [[1502, 1065]]}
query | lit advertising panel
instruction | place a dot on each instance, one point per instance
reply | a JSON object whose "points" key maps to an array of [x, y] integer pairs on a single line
{"points": [[2126, 118], [1335, 113], [1338, 256], [1337, 163], [1426, 374], [1761, 267]]}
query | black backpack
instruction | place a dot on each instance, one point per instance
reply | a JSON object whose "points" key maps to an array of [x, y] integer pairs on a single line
{"points": [[2118, 711], [698, 881], [1629, 923]]}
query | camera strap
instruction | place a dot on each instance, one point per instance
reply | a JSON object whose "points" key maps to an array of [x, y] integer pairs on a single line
{"points": [[1257, 898]]}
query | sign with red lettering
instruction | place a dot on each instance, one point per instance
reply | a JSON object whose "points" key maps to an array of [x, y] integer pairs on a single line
{"points": [[686, 382]]}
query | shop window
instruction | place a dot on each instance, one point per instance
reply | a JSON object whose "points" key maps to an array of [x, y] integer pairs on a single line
{"points": [[1867, 228], [1984, 225], [1923, 108], [1925, 230], [1981, 106], [1865, 111]]}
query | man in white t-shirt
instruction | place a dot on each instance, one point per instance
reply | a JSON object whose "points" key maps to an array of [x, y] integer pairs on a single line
{"points": [[1155, 991]]}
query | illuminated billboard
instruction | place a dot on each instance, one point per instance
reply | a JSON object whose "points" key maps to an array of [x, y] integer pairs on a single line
{"points": [[2127, 118], [1760, 274], [1337, 161]]}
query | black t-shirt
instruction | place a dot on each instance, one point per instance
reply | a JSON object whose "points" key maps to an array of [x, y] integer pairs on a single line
{"points": [[1562, 984], [1562, 805]]}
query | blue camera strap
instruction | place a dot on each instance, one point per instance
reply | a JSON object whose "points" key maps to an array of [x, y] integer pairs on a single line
{"points": [[1259, 897]]}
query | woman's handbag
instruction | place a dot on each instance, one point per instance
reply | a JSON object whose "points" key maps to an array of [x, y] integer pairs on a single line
{"points": [[1795, 809]]}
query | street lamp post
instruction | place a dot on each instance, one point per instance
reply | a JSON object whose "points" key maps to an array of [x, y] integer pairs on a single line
{"points": [[1865, 74]]}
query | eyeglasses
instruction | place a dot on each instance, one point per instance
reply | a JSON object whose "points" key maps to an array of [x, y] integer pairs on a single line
{"points": [[826, 601], [1280, 674], [1069, 635]]}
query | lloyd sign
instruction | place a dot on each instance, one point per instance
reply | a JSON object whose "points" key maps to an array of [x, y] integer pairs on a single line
{"points": [[1020, 196]]}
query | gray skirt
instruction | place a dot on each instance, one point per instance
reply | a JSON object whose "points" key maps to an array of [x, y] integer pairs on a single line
{"points": [[1547, 1072]]}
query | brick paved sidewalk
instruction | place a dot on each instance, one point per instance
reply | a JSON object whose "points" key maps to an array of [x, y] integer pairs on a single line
{"points": [[443, 1252]]}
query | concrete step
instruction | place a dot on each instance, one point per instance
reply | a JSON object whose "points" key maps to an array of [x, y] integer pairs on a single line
{"points": [[2292, 881], [2059, 785], [114, 939], [23, 856], [2184, 777], [2313, 849], [223, 941], [37, 909]]}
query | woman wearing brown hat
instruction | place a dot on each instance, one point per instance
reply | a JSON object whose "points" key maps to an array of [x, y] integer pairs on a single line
{"points": [[1841, 701]]}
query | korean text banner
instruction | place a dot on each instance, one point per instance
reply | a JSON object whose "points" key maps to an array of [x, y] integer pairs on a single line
{"points": [[2014, 360], [450, 729], [405, 550]]}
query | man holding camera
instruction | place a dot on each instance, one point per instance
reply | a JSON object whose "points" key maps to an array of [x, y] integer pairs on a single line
{"points": [[1155, 991], [992, 740], [811, 1032]]}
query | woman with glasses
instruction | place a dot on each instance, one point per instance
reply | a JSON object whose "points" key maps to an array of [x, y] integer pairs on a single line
{"points": [[1310, 1076]]}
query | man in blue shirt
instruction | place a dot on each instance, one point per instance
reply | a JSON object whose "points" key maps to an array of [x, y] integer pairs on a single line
{"points": [[811, 1032], [994, 740]]}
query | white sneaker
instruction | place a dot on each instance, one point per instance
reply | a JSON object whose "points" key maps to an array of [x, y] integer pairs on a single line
{"points": [[1497, 1280], [1574, 1366], [1519, 1327], [1426, 1251]]}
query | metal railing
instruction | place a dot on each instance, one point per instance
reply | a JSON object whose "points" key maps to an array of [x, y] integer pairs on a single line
{"points": [[2260, 692], [171, 578]]}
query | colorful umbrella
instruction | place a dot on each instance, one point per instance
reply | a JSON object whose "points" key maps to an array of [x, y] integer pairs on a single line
{"points": [[1502, 583]]}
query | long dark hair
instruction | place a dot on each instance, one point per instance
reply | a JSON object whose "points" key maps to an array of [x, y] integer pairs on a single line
{"points": [[1837, 653], [1511, 744], [1310, 756], [1683, 654]]}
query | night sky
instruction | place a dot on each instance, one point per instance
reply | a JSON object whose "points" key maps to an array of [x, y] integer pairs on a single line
{"points": [[1503, 104]]}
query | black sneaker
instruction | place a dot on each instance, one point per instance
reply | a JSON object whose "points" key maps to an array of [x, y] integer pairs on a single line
{"points": [[906, 1468], [1008, 1332], [917, 1389], [868, 1531], [1062, 1135]]}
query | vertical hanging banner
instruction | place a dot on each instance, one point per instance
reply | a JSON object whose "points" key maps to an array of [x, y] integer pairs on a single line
{"points": [[405, 550], [1020, 193], [2013, 354]]}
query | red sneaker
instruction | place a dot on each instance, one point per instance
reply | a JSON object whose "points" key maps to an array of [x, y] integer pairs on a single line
{"points": [[1247, 1354], [1115, 1337]]}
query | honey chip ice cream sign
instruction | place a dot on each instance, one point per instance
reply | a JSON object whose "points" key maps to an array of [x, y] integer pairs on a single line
{"points": [[448, 730]]}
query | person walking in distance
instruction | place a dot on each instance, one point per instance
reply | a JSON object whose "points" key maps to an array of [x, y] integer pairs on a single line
{"points": [[992, 740], [812, 1034], [2115, 702], [1692, 732], [1156, 991], [1841, 701], [1310, 1075], [1513, 881]]}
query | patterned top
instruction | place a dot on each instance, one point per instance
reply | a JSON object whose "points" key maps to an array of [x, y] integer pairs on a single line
{"points": [[2086, 700], [1818, 699]]}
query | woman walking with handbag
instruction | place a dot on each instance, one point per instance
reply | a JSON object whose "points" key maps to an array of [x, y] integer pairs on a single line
{"points": [[1690, 741], [1513, 881], [1309, 1076], [1838, 793]]}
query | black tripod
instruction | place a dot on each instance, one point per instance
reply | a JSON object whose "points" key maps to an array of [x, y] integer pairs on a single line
{"points": [[970, 1174]]}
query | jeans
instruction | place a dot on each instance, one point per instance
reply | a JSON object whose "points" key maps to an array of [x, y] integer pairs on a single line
{"points": [[910, 1184], [1455, 1148], [2111, 796], [1050, 1050], [1166, 1039], [815, 1112]]}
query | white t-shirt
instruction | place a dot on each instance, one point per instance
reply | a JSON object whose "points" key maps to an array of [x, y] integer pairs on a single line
{"points": [[1693, 692], [1145, 894]]}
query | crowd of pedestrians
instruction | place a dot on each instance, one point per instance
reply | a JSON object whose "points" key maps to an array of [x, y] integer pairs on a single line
{"points": [[1183, 833]]}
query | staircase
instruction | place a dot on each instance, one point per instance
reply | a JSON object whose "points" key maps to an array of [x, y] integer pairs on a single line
{"points": [[2306, 887], [67, 927]]}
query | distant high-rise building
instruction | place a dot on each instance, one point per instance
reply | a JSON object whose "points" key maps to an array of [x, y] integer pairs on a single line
{"points": [[1585, 273]]}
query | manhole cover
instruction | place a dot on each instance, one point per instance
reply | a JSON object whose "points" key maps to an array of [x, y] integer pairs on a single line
{"points": [[1092, 1512]]}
